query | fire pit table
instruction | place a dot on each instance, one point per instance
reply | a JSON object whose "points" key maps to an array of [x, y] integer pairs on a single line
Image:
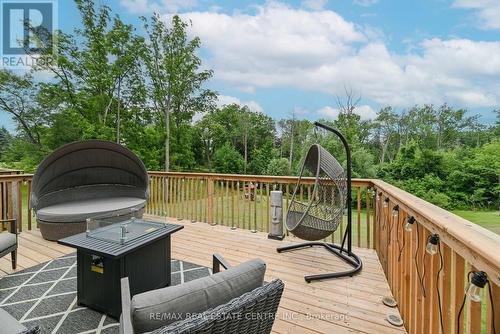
{"points": [[108, 251]]}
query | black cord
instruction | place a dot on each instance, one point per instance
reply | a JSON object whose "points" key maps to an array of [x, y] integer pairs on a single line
{"points": [[420, 279], [424, 272], [437, 287], [403, 246], [391, 227], [492, 308], [462, 306]]}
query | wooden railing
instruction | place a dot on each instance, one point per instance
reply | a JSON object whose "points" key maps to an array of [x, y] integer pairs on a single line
{"points": [[242, 201], [15, 190], [421, 282]]}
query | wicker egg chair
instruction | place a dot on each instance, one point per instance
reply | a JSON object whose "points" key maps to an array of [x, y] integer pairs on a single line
{"points": [[322, 212]]}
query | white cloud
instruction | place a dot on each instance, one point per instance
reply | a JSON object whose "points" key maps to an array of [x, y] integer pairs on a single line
{"points": [[252, 105], [314, 4], [487, 11], [364, 111], [160, 6], [329, 113], [365, 3], [281, 46]]}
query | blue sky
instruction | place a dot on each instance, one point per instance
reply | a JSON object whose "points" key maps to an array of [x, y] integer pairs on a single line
{"points": [[279, 57]]}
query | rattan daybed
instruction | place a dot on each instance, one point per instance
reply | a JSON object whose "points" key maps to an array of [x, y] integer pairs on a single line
{"points": [[92, 178]]}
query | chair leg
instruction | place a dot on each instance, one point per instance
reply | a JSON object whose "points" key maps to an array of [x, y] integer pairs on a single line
{"points": [[13, 255]]}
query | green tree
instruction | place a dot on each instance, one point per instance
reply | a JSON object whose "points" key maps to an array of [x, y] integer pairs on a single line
{"points": [[386, 132], [18, 97], [228, 160], [280, 167], [176, 78], [5, 140], [261, 158]]}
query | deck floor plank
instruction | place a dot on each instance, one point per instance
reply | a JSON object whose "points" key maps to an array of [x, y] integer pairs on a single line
{"points": [[347, 305]]}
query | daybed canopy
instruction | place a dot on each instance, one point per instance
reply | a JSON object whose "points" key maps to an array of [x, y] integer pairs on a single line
{"points": [[88, 178]]}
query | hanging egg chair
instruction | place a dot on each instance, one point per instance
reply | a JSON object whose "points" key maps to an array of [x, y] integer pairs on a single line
{"points": [[321, 213]]}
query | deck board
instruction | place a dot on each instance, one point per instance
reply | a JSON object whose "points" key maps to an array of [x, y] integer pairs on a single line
{"points": [[347, 305]]}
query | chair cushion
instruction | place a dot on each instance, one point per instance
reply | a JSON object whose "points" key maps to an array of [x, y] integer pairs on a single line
{"points": [[9, 324], [157, 308], [7, 240], [78, 211]]}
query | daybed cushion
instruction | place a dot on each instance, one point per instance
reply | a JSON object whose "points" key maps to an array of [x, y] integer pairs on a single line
{"points": [[78, 211], [153, 309], [9, 324], [7, 240]]}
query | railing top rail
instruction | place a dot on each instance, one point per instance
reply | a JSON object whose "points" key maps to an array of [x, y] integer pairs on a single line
{"points": [[476, 244], [15, 177], [240, 177]]}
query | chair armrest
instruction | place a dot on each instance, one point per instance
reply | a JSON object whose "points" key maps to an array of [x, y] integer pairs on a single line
{"points": [[13, 224], [126, 316], [219, 261]]}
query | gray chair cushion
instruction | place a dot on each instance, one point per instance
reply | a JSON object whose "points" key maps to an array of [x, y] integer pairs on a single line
{"points": [[7, 240], [78, 211], [9, 324], [157, 308]]}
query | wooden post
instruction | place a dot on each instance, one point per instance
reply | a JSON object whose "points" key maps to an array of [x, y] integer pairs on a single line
{"points": [[268, 197], [495, 291], [29, 205], [459, 266], [446, 288], [474, 315], [368, 245], [210, 186], [358, 191], [19, 201], [13, 202]]}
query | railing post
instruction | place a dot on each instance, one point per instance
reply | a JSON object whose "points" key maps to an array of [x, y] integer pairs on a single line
{"points": [[211, 201], [495, 292], [16, 206]]}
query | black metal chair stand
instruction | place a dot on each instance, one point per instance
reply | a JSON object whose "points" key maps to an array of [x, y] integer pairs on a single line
{"points": [[323, 213]]}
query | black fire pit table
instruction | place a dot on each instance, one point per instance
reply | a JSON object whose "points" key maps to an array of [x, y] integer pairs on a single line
{"points": [[110, 250]]}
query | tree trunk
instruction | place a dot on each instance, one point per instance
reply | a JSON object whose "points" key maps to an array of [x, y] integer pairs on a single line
{"points": [[246, 151], [167, 139], [291, 148], [384, 150], [118, 115], [209, 158]]}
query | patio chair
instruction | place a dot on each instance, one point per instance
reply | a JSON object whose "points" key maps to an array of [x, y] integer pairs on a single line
{"points": [[231, 301], [11, 326], [87, 179], [8, 241]]}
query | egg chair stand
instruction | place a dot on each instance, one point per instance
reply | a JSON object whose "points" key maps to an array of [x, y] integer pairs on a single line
{"points": [[321, 216]]}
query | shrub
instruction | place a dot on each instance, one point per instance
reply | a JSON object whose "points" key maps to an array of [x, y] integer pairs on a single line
{"points": [[227, 160], [279, 167]]}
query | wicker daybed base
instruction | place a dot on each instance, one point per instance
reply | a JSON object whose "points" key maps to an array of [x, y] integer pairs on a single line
{"points": [[56, 231]]}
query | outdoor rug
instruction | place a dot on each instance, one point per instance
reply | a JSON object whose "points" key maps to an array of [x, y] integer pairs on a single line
{"points": [[45, 296]]}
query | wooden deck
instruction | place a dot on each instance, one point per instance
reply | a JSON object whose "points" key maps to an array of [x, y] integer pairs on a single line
{"points": [[347, 305]]}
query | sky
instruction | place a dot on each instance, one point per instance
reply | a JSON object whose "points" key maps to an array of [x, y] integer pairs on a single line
{"points": [[284, 57]]}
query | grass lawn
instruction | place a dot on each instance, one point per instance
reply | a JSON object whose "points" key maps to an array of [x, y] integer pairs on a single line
{"points": [[487, 219]]}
